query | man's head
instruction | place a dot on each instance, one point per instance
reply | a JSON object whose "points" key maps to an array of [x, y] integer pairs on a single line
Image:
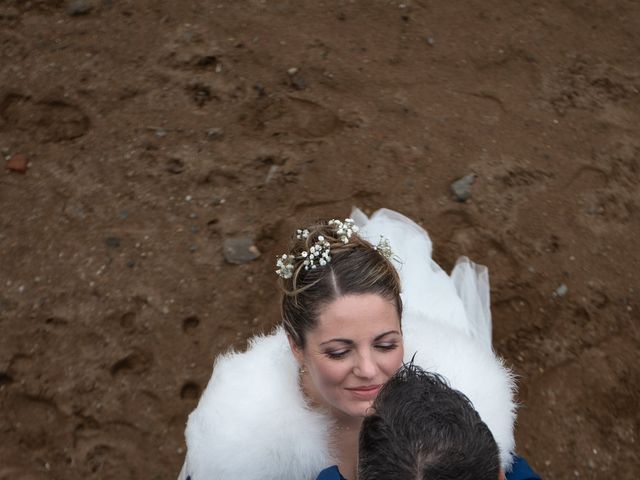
{"points": [[422, 429]]}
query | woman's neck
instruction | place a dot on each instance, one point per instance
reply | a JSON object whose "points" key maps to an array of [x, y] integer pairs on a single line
{"points": [[345, 442], [345, 432]]}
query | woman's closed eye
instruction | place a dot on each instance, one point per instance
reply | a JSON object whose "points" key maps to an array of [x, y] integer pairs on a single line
{"points": [[340, 354], [387, 346], [337, 354]]}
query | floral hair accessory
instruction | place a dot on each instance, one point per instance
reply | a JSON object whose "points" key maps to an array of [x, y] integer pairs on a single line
{"points": [[345, 229], [384, 248], [285, 265], [319, 254]]}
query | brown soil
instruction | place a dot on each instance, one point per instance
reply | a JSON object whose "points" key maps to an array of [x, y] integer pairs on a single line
{"points": [[155, 129]]}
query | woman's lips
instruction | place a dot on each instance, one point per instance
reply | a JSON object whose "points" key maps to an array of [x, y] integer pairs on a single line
{"points": [[368, 392]]}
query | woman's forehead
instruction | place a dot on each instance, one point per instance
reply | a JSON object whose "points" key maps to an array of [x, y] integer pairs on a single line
{"points": [[356, 317]]}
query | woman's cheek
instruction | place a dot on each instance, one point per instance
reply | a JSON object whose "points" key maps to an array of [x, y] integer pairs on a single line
{"points": [[331, 373]]}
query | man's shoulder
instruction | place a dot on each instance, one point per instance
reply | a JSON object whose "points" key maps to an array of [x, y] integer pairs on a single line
{"points": [[521, 471], [331, 473]]}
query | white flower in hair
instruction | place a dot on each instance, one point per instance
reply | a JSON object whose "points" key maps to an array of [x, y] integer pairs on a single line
{"points": [[345, 229], [300, 234], [285, 265], [320, 252]]}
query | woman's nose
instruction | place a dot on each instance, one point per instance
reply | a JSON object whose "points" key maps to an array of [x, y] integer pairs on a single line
{"points": [[366, 367]]}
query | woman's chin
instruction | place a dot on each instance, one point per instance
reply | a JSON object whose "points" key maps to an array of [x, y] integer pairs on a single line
{"points": [[358, 409]]}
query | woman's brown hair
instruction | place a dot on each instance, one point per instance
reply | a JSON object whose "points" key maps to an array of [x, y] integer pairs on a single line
{"points": [[356, 267]]}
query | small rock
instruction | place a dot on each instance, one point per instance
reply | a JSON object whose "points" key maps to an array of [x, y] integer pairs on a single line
{"points": [[79, 7], [260, 89], [561, 291], [298, 82], [461, 188], [18, 163], [430, 41], [175, 166], [240, 249], [112, 242], [273, 169], [215, 134], [161, 132]]}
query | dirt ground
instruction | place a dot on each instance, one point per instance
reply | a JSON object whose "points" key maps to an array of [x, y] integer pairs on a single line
{"points": [[156, 130]]}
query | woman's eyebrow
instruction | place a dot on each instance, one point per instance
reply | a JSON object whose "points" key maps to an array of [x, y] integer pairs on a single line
{"points": [[350, 342], [341, 340], [382, 335]]}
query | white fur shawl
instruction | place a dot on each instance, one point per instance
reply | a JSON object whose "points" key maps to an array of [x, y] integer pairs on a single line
{"points": [[252, 422]]}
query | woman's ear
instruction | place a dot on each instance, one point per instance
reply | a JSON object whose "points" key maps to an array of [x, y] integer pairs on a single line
{"points": [[296, 350]]}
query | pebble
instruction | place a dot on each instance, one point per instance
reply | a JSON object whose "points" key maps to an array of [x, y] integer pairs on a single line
{"points": [[175, 166], [215, 134], [260, 89], [461, 188], [79, 7], [561, 291], [298, 82], [18, 163], [113, 242], [240, 249], [430, 41]]}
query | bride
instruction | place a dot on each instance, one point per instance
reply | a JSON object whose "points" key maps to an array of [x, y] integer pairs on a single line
{"points": [[360, 296]]}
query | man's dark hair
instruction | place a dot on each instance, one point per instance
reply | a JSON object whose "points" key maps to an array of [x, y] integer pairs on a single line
{"points": [[422, 429]]}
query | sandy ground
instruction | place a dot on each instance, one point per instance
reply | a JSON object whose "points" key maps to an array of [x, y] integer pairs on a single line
{"points": [[156, 130]]}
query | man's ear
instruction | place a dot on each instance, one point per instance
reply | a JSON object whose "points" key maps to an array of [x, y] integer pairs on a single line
{"points": [[501, 474], [296, 350]]}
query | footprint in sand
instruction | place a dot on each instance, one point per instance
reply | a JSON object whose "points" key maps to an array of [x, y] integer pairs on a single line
{"points": [[47, 120], [300, 116], [190, 391], [190, 324], [607, 189], [136, 362]]}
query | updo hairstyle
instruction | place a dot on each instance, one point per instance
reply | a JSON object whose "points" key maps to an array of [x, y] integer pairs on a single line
{"points": [[355, 268]]}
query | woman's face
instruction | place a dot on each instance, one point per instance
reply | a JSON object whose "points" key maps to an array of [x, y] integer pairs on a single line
{"points": [[354, 349]]}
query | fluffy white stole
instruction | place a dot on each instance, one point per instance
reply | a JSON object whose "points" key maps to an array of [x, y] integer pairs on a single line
{"points": [[252, 421]]}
